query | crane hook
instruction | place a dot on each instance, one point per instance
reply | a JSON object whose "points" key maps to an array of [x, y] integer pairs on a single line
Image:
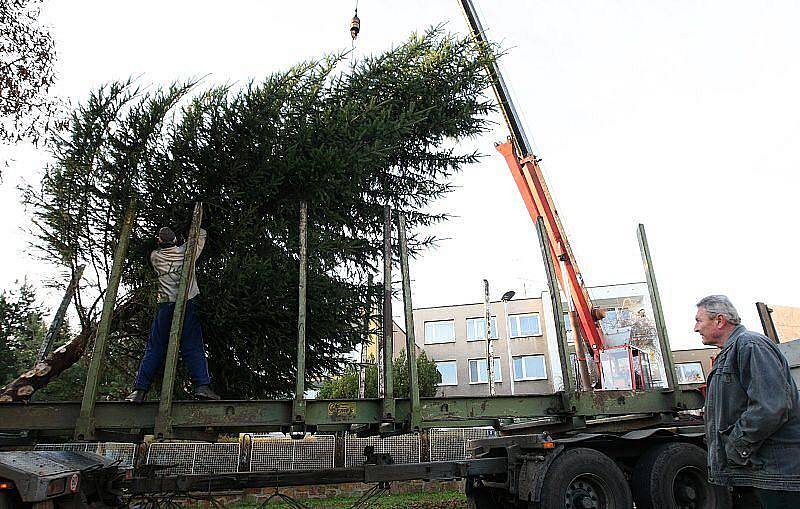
{"points": [[355, 25]]}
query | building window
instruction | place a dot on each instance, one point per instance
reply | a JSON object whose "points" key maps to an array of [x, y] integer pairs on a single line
{"points": [[476, 328], [478, 373], [449, 372], [524, 325], [617, 316], [690, 373], [440, 332], [529, 367], [568, 328]]}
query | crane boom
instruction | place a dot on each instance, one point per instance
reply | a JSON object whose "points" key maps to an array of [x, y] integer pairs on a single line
{"points": [[530, 181]]}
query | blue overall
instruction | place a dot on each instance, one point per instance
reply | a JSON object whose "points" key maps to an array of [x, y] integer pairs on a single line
{"points": [[192, 351]]}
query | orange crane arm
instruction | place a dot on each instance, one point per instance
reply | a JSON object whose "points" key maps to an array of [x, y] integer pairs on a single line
{"points": [[536, 196], [533, 189]]}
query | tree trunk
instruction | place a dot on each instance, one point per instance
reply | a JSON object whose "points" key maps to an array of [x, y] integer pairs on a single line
{"points": [[60, 360], [41, 373]]}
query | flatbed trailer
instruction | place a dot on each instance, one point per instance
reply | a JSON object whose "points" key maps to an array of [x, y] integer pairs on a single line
{"points": [[581, 447], [572, 449]]}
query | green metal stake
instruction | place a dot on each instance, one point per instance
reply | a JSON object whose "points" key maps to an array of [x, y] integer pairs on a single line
{"points": [[163, 425], [411, 354], [58, 319], [299, 406], [388, 397], [558, 312], [658, 312], [362, 368], [85, 424]]}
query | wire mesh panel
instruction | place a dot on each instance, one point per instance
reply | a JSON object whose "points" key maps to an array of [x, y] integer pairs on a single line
{"points": [[281, 453], [179, 456], [194, 457], [74, 447], [403, 448], [314, 452], [451, 444], [123, 453], [271, 454], [216, 458]]}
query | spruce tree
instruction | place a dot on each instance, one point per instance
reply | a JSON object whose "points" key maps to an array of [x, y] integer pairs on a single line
{"points": [[345, 137]]}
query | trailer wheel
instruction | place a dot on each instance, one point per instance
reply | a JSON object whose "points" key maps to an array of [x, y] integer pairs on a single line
{"points": [[583, 478], [674, 476]]}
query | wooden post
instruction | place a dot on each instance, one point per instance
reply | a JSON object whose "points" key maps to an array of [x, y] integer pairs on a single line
{"points": [[299, 406], [411, 354], [658, 312], [765, 315], [558, 311], [85, 424], [163, 425], [388, 397]]}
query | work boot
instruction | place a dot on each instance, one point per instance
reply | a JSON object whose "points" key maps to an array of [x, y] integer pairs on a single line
{"points": [[137, 396], [205, 392]]}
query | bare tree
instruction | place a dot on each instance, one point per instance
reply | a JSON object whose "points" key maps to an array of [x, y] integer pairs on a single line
{"points": [[27, 55]]}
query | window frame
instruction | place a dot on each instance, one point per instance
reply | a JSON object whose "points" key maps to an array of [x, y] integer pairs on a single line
{"points": [[498, 363], [455, 363], [425, 332], [492, 319], [516, 317], [526, 378]]}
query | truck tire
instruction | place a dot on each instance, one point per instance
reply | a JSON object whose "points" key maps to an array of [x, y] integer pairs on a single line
{"points": [[674, 476], [583, 478]]}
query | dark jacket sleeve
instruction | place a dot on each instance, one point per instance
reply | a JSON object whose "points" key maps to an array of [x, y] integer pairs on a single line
{"points": [[769, 398]]}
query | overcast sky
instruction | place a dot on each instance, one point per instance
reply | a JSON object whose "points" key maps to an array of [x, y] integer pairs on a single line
{"points": [[682, 115]]}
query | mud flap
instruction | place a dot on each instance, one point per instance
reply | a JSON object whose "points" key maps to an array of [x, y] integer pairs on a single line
{"points": [[532, 473]]}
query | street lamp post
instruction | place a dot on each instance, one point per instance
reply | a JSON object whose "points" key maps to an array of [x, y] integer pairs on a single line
{"points": [[505, 298]]}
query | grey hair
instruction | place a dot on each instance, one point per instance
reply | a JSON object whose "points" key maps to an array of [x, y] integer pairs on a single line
{"points": [[720, 305]]}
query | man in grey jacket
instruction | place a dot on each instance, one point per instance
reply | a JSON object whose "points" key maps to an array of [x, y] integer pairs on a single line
{"points": [[167, 261], [752, 412]]}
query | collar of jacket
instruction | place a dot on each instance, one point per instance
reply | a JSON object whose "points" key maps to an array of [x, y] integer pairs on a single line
{"points": [[735, 333]]}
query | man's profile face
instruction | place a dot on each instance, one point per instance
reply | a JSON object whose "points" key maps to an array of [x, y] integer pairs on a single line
{"points": [[709, 328]]}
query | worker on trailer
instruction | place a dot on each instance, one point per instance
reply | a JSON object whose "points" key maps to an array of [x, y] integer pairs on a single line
{"points": [[752, 412], [167, 261]]}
